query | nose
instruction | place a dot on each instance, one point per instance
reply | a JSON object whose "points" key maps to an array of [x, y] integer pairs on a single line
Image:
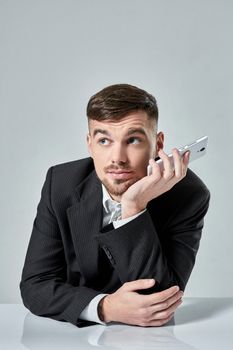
{"points": [[119, 155]]}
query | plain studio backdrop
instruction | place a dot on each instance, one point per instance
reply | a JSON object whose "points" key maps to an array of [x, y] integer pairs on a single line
{"points": [[55, 54]]}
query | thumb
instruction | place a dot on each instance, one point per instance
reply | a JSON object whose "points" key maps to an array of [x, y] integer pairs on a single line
{"points": [[139, 284]]}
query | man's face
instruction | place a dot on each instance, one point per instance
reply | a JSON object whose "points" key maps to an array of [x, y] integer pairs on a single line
{"points": [[121, 150]]}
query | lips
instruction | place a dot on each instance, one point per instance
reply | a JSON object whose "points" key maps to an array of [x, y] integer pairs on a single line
{"points": [[119, 171], [120, 174]]}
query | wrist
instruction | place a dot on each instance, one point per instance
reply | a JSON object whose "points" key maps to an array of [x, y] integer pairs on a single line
{"points": [[103, 310], [131, 209]]}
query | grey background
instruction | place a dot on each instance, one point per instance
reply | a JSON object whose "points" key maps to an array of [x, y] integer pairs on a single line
{"points": [[56, 54]]}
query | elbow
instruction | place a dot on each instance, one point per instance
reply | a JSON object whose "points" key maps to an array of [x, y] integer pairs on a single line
{"points": [[25, 294], [28, 296]]}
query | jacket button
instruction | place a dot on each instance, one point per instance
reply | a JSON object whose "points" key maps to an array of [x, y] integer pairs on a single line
{"points": [[109, 255]]}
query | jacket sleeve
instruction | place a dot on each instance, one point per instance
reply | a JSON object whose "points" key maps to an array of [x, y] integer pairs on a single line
{"points": [[43, 285], [137, 251]]}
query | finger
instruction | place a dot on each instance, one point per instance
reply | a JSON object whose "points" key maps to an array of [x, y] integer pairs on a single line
{"points": [[168, 171], [178, 166], [185, 162], [138, 284], [167, 303], [155, 170], [159, 297], [166, 313], [186, 158], [157, 323]]}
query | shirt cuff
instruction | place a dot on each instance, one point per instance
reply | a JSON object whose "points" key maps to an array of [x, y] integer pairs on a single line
{"points": [[90, 313], [119, 223]]}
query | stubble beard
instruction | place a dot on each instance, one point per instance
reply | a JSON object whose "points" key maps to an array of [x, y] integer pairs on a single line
{"points": [[118, 187]]}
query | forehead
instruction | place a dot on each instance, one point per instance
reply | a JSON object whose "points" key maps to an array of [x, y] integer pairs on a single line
{"points": [[131, 121]]}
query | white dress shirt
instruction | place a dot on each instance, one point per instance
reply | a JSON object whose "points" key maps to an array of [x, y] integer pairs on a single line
{"points": [[111, 214]]}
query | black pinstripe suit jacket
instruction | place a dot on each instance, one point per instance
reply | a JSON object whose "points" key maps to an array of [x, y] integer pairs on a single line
{"points": [[70, 259]]}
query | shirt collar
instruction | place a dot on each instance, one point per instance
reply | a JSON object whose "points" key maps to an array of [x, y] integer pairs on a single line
{"points": [[108, 203]]}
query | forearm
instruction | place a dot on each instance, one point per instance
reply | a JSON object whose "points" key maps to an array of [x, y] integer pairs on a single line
{"points": [[136, 252], [93, 311], [55, 299]]}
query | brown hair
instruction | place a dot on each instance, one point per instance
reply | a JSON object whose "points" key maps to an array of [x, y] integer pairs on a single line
{"points": [[117, 101]]}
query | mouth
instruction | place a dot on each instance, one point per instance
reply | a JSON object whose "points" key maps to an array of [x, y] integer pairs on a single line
{"points": [[120, 174]]}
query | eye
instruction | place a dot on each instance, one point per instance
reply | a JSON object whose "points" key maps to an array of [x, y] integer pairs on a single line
{"points": [[104, 142], [134, 140]]}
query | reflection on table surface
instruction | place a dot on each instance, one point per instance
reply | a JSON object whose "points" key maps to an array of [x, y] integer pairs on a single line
{"points": [[199, 323]]}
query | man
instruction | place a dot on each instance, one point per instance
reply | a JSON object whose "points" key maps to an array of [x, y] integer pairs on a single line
{"points": [[110, 243]]}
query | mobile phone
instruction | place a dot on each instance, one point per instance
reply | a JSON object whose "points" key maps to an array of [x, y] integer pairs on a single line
{"points": [[197, 149]]}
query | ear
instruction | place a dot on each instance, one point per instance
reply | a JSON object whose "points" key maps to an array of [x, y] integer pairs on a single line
{"points": [[160, 141], [89, 144]]}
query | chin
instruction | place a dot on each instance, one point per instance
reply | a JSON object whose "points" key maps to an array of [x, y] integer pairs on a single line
{"points": [[118, 187]]}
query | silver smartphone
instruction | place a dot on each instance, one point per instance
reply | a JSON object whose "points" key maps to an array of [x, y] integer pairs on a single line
{"points": [[197, 149]]}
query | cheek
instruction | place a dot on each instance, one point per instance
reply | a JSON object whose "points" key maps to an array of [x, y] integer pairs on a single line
{"points": [[99, 160], [144, 156], [140, 161]]}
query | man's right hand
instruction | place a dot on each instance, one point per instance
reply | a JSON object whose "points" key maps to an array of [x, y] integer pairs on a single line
{"points": [[138, 195], [129, 307]]}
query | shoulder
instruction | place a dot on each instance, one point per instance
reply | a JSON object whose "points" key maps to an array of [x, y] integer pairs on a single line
{"points": [[65, 177], [192, 187], [190, 195], [77, 170]]}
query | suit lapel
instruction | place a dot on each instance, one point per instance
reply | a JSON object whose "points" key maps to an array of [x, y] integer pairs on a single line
{"points": [[85, 220]]}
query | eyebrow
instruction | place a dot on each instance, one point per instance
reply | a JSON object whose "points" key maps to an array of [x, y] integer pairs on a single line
{"points": [[131, 131], [101, 131]]}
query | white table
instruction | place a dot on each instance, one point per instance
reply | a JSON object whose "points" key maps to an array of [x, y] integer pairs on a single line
{"points": [[200, 323]]}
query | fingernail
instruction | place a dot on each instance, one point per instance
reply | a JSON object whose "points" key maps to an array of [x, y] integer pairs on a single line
{"points": [[151, 280]]}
